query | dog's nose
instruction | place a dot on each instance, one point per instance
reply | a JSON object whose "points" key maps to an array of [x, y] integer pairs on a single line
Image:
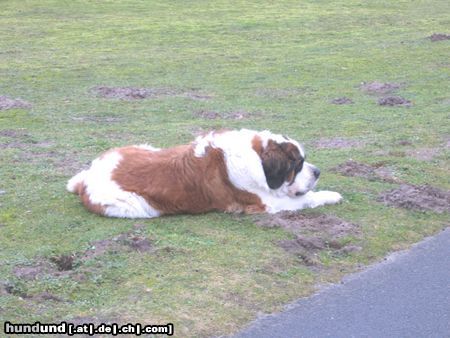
{"points": [[298, 193], [316, 172]]}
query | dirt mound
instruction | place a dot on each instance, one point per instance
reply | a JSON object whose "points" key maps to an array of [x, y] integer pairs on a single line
{"points": [[371, 172], [424, 198], [394, 101], [129, 240], [14, 133], [424, 154], [439, 37], [68, 265], [314, 232], [138, 93], [377, 87], [213, 115], [296, 222], [342, 100], [131, 93], [8, 103], [31, 272], [63, 262], [337, 143], [136, 242], [19, 289]]}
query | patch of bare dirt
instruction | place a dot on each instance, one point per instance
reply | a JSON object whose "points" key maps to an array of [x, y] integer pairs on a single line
{"points": [[8, 103], [199, 96], [20, 290], [233, 115], [424, 154], [20, 139], [48, 296], [300, 223], [138, 93], [404, 143], [394, 101], [342, 100], [378, 88], [424, 198], [131, 93], [14, 133], [371, 172], [314, 232], [338, 143], [68, 265], [63, 262], [136, 242], [439, 37], [128, 240], [35, 271]]}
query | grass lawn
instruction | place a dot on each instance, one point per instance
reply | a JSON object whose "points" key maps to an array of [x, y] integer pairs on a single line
{"points": [[212, 64]]}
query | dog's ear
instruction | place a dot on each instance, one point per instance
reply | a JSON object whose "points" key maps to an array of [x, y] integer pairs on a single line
{"points": [[276, 163]]}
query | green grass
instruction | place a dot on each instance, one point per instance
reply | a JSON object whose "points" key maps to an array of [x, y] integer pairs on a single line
{"points": [[210, 274]]}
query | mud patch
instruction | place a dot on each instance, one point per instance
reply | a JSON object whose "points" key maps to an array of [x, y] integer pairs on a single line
{"points": [[131, 93], [314, 232], [19, 289], [137, 93], [338, 143], [404, 143], [198, 96], [68, 265], [233, 115], [424, 154], [127, 241], [20, 139], [48, 296], [342, 100], [8, 103], [35, 271], [439, 37], [378, 88], [423, 198], [299, 223], [394, 101], [371, 172], [136, 242], [14, 133], [63, 262]]}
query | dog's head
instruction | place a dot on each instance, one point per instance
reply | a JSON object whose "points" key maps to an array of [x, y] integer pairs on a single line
{"points": [[285, 166]]}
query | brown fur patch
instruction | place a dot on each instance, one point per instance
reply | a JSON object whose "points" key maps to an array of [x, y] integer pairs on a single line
{"points": [[257, 145], [175, 181]]}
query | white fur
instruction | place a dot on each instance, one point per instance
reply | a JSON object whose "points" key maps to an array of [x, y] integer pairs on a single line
{"points": [[104, 191], [147, 147]]}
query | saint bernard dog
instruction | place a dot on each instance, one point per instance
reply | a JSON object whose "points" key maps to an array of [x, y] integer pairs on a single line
{"points": [[230, 171]]}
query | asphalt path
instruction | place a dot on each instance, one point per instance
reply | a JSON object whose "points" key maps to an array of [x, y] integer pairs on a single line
{"points": [[406, 295]]}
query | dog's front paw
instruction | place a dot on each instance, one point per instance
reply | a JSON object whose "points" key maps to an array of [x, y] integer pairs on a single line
{"points": [[328, 197]]}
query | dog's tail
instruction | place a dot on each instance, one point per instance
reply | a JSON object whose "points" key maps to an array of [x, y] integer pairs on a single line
{"points": [[75, 184]]}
